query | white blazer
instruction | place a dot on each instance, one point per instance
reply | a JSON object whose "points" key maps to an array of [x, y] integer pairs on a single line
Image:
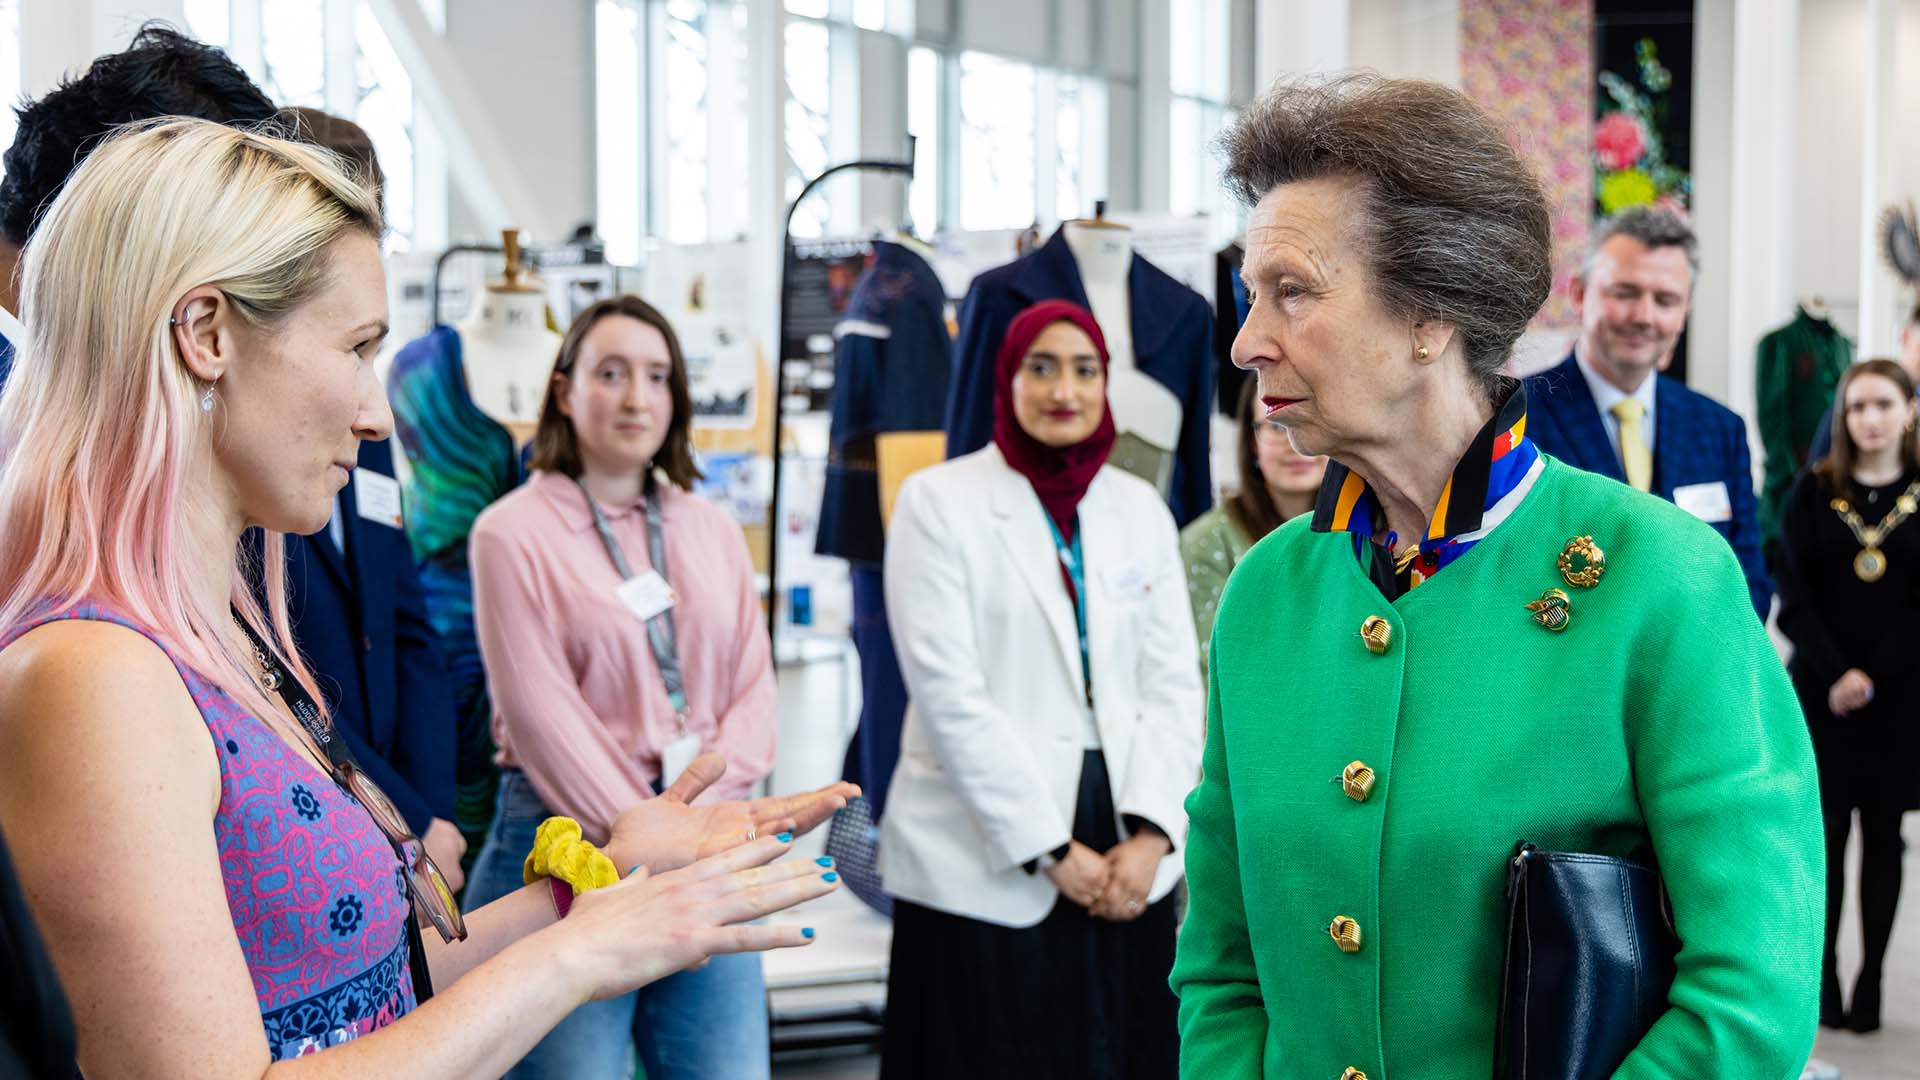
{"points": [[997, 719]]}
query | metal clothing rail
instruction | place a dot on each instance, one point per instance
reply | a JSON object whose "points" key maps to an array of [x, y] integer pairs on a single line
{"points": [[902, 169]]}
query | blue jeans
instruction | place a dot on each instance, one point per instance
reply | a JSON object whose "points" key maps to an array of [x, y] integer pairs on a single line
{"points": [[709, 1024]]}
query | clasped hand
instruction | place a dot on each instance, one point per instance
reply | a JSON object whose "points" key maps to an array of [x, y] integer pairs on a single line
{"points": [[1113, 886], [665, 832], [1850, 692]]}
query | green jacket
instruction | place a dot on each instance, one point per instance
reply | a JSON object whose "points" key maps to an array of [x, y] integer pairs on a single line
{"points": [[1797, 368], [1660, 712]]}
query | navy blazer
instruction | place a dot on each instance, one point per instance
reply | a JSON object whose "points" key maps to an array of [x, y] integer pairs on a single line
{"points": [[361, 621], [891, 365], [1172, 343], [1696, 440]]}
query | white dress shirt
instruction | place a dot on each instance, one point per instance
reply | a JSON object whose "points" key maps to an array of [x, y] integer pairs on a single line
{"points": [[1606, 396]]}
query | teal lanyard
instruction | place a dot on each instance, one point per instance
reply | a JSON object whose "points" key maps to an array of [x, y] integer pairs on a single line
{"points": [[1076, 572]]}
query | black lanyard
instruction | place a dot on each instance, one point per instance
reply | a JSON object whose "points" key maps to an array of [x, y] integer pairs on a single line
{"points": [[660, 630], [338, 756], [302, 705]]}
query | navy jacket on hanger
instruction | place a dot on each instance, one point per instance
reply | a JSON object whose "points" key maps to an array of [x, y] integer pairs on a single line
{"points": [[1172, 343], [890, 367], [1696, 441], [361, 620]]}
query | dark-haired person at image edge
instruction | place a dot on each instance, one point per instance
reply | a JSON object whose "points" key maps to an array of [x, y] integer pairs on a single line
{"points": [[161, 72], [1850, 599], [1387, 717], [221, 894]]}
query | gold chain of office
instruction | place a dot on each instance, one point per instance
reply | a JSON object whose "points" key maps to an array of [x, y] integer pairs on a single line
{"points": [[1871, 564]]}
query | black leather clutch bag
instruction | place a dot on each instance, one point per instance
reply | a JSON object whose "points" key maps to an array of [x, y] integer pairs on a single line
{"points": [[1590, 958]]}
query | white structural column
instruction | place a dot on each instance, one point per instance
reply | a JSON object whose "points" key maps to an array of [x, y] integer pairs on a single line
{"points": [[1156, 107], [1880, 139], [1760, 241], [1300, 37], [766, 174], [1708, 331], [477, 157]]}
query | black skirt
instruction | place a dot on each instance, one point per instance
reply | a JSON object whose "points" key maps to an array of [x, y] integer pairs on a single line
{"points": [[1073, 998]]}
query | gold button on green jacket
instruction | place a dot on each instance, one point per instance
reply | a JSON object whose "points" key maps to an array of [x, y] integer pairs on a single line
{"points": [[1659, 713]]}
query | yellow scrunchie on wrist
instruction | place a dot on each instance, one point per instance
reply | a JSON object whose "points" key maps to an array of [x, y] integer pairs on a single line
{"points": [[559, 852]]}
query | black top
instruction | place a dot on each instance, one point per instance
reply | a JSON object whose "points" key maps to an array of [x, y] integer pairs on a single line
{"points": [[36, 1027], [1837, 621]]}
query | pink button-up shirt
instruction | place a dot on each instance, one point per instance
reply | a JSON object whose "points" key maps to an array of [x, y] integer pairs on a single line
{"points": [[577, 698]]}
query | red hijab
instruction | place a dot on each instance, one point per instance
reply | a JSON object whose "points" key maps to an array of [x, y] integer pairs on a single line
{"points": [[1059, 475]]}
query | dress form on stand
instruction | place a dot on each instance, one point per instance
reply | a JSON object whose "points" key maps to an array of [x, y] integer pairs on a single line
{"points": [[506, 347], [1104, 252], [1146, 415]]}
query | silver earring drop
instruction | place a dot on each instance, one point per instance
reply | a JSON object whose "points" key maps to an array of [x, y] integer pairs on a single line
{"points": [[206, 399]]}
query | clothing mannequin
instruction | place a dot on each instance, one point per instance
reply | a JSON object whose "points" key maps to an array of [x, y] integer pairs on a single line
{"points": [[506, 346], [1104, 252], [465, 402], [1146, 413], [1160, 339]]}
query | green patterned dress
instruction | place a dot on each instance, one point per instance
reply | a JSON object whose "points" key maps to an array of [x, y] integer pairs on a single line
{"points": [[459, 461], [1211, 546]]}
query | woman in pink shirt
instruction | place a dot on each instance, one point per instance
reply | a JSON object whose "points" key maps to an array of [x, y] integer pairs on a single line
{"points": [[606, 679]]}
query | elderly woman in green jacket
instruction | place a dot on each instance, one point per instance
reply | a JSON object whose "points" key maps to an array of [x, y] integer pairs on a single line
{"points": [[1349, 842]]}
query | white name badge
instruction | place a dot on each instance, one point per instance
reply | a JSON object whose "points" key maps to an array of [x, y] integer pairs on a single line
{"points": [[377, 497], [647, 595], [1709, 502], [1127, 582], [676, 757]]}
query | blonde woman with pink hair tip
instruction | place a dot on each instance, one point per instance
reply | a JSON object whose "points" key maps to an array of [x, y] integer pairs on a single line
{"points": [[223, 893]]}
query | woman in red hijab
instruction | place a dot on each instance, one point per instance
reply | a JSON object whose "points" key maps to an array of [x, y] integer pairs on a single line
{"points": [[1034, 827]]}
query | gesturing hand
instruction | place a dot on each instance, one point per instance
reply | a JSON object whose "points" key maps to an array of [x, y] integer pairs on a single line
{"points": [[1850, 692], [1132, 864], [445, 846], [665, 833], [1082, 876], [648, 926]]}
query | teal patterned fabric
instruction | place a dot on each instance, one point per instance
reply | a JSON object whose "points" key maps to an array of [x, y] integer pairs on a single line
{"points": [[459, 461]]}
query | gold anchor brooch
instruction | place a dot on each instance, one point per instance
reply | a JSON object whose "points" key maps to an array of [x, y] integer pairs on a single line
{"points": [[1553, 610]]}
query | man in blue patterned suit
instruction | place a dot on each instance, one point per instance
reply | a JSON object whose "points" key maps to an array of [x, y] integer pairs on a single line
{"points": [[1608, 409]]}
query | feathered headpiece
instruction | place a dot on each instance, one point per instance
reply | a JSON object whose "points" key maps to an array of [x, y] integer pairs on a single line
{"points": [[1900, 242]]}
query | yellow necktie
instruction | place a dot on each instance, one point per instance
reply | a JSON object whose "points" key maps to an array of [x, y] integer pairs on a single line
{"points": [[1633, 445]]}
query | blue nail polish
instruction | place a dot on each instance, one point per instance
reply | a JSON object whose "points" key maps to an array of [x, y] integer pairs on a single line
{"points": [[807, 932], [634, 870], [830, 876], [785, 838], [824, 861]]}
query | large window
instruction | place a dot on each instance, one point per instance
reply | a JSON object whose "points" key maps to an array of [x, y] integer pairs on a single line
{"points": [[209, 20], [384, 106], [809, 132], [684, 159], [294, 59], [997, 142], [923, 123], [671, 141], [1198, 37], [1079, 145], [289, 60], [618, 46]]}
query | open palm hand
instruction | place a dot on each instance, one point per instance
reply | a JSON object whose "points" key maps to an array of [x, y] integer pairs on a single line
{"points": [[666, 832]]}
